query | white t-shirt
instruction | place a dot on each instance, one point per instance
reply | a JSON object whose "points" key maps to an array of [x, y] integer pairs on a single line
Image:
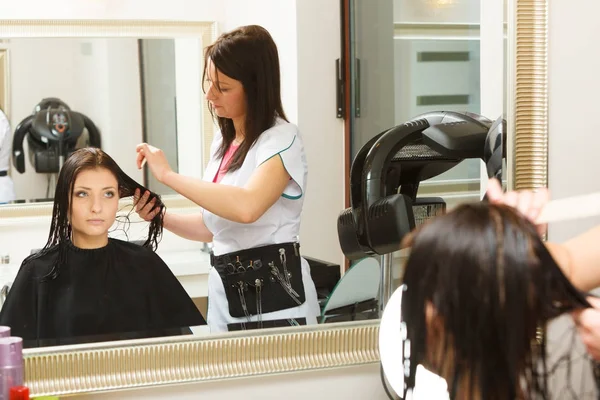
{"points": [[7, 192], [279, 224]]}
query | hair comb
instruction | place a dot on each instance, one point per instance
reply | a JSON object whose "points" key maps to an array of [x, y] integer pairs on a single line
{"points": [[570, 208]]}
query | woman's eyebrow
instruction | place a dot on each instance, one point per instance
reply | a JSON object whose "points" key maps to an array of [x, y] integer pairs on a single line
{"points": [[87, 188]]}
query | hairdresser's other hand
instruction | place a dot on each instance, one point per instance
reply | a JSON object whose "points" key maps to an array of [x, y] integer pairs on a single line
{"points": [[145, 209], [588, 326], [156, 160], [528, 202]]}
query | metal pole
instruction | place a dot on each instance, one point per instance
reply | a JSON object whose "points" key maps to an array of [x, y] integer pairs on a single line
{"points": [[385, 288]]}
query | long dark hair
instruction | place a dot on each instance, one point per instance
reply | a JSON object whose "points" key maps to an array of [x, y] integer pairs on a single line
{"points": [[60, 228], [247, 54], [492, 284]]}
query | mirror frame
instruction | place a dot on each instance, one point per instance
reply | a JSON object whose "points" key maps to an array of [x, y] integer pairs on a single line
{"points": [[131, 364], [527, 109]]}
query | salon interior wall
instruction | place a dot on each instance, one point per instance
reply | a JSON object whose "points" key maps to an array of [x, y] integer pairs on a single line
{"points": [[573, 140], [374, 44], [307, 54], [573, 87], [394, 59], [356, 382], [383, 60]]}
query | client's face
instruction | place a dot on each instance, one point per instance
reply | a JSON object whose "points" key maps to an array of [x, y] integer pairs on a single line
{"points": [[93, 207]]}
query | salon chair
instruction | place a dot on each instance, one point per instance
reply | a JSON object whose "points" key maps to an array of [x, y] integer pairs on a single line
{"points": [[325, 276], [354, 298], [386, 174]]}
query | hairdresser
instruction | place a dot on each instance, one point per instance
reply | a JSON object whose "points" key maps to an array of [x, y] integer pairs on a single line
{"points": [[252, 192], [579, 258]]}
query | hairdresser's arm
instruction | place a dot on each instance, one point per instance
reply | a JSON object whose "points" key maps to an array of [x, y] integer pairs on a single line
{"points": [[239, 204], [582, 257], [579, 258], [190, 227]]}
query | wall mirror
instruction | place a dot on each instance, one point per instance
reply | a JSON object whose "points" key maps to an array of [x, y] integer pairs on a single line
{"points": [[127, 364], [131, 89]]}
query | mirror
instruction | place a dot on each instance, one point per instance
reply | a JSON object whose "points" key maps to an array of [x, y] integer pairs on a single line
{"points": [[149, 94], [130, 90], [184, 359], [413, 59], [124, 89]]}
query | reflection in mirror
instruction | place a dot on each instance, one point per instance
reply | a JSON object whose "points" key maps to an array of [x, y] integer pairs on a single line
{"points": [[428, 70], [124, 89], [83, 285], [138, 93], [433, 64]]}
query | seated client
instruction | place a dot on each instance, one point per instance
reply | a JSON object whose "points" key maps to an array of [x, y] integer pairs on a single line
{"points": [[479, 282], [83, 285]]}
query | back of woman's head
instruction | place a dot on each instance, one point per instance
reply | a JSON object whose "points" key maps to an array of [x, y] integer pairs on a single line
{"points": [[479, 282], [248, 54], [86, 159]]}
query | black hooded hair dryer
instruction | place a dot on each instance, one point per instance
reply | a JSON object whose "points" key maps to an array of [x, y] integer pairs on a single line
{"points": [[386, 172], [52, 132]]}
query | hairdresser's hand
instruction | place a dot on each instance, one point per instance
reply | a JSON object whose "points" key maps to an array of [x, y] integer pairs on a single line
{"points": [[145, 209], [156, 160], [588, 326], [527, 202]]}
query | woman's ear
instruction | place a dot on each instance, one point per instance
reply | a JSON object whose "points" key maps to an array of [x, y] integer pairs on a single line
{"points": [[436, 341], [430, 313], [435, 324]]}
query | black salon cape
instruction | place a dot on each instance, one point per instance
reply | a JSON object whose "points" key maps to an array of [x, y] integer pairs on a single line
{"points": [[120, 291]]}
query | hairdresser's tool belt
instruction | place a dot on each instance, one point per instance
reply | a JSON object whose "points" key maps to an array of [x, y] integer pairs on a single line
{"points": [[3, 173], [262, 279]]}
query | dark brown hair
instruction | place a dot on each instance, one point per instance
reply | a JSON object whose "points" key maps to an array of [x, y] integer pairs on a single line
{"points": [[60, 228], [249, 55], [492, 283]]}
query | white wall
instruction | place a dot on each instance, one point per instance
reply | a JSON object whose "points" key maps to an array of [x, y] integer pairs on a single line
{"points": [[359, 382], [374, 44], [574, 143], [493, 65], [97, 77], [188, 78], [317, 22], [574, 84], [464, 11], [124, 124], [279, 18], [176, 10]]}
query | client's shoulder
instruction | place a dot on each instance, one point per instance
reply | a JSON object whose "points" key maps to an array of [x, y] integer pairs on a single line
{"points": [[40, 262], [133, 249]]}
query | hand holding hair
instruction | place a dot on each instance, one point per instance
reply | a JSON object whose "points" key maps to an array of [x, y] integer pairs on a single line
{"points": [[528, 202], [588, 326], [145, 209]]}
